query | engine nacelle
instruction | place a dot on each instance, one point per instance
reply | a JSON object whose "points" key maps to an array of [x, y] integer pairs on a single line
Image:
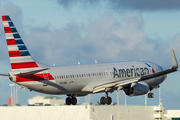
{"points": [[140, 88]]}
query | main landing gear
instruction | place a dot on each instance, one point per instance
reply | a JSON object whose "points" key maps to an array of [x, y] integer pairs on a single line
{"points": [[150, 95], [106, 100], [71, 100]]}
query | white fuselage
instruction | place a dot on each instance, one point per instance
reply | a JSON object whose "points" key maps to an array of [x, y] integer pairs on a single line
{"points": [[81, 79]]}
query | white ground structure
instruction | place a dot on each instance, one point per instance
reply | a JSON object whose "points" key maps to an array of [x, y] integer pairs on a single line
{"points": [[87, 112], [46, 101], [173, 114]]}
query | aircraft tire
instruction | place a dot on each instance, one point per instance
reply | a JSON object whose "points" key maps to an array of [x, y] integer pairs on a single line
{"points": [[109, 100], [68, 101], [103, 100], [150, 95], [74, 101]]}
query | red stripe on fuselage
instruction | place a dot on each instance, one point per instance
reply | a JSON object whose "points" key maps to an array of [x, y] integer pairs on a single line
{"points": [[7, 30], [35, 77], [11, 41], [23, 65], [4, 18], [14, 54]]}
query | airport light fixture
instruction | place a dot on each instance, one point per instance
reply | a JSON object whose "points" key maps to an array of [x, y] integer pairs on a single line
{"points": [[11, 85], [125, 98]]}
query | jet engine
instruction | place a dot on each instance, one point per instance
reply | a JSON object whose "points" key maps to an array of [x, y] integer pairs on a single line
{"points": [[140, 88]]}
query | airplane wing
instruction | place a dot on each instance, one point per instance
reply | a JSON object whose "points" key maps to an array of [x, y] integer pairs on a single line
{"points": [[23, 72], [4, 75], [28, 72], [106, 87], [120, 84]]}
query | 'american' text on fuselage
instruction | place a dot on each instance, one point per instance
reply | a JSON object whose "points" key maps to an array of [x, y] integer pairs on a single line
{"points": [[130, 72]]}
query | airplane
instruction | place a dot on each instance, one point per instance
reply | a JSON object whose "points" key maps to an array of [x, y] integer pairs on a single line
{"points": [[133, 77]]}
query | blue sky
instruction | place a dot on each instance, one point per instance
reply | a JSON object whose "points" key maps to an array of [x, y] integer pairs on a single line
{"points": [[65, 32]]}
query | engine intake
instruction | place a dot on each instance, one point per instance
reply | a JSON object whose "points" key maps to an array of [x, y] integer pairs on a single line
{"points": [[140, 88]]}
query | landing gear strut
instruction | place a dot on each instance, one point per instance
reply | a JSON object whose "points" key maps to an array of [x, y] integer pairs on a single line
{"points": [[106, 100], [71, 100]]}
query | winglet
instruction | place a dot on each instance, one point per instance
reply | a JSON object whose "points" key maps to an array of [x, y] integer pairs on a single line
{"points": [[174, 61]]}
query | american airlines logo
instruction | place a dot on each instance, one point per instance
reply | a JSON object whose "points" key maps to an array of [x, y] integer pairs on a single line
{"points": [[130, 72]]}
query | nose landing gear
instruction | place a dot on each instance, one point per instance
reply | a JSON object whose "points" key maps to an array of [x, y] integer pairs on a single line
{"points": [[106, 100], [71, 100]]}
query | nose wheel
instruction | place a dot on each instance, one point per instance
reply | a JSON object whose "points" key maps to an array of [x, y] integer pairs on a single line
{"points": [[106, 100], [71, 100]]}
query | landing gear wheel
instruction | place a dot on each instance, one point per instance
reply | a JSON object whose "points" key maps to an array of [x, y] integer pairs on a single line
{"points": [[150, 95], [74, 101], [109, 100], [71, 100], [103, 100], [68, 101]]}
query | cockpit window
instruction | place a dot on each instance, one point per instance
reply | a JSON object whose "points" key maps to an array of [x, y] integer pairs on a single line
{"points": [[160, 68]]}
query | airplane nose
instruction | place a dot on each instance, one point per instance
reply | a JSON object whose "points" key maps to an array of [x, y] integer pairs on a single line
{"points": [[163, 78]]}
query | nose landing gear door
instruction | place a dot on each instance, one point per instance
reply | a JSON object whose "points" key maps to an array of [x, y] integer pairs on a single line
{"points": [[46, 79]]}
